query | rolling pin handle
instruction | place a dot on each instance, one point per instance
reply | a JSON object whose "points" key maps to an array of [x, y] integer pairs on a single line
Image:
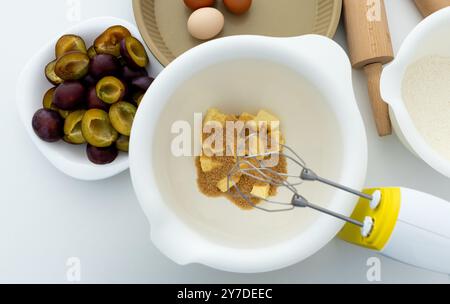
{"points": [[379, 107]]}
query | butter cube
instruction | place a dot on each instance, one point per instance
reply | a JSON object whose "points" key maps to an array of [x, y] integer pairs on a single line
{"points": [[214, 115], [249, 121], [266, 117], [223, 184], [232, 117], [246, 117], [213, 119], [261, 191], [208, 164]]}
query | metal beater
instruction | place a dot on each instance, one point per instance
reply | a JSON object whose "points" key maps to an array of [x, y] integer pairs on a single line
{"points": [[264, 173]]}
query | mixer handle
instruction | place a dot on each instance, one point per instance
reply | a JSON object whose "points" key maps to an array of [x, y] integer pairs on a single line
{"points": [[409, 226]]}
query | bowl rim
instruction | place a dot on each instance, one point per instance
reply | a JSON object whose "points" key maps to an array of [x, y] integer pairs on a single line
{"points": [[170, 234], [87, 172], [391, 86]]}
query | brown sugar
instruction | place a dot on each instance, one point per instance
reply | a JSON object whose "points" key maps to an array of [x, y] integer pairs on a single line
{"points": [[216, 169]]}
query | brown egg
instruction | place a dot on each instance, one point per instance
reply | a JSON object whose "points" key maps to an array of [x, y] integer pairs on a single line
{"points": [[206, 23], [196, 4], [238, 7]]}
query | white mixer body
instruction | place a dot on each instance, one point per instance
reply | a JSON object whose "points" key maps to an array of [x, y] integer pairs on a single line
{"points": [[421, 236]]}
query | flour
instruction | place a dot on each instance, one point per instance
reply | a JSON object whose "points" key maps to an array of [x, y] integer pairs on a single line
{"points": [[426, 93]]}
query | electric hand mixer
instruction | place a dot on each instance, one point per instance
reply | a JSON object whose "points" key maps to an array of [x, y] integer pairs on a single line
{"points": [[404, 224]]}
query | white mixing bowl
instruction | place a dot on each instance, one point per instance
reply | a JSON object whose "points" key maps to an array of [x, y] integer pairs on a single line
{"points": [[430, 37], [305, 81]]}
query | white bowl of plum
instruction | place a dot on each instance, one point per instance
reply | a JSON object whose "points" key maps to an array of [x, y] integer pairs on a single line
{"points": [[78, 96]]}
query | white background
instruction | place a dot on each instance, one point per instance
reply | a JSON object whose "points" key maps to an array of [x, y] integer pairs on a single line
{"points": [[46, 217]]}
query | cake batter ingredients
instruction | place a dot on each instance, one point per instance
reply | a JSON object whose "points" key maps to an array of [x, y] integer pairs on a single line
{"points": [[213, 170], [426, 93]]}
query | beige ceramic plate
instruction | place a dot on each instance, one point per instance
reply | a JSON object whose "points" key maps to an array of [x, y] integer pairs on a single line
{"points": [[163, 22]]}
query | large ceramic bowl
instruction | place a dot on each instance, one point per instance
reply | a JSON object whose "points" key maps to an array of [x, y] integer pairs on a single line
{"points": [[305, 81]]}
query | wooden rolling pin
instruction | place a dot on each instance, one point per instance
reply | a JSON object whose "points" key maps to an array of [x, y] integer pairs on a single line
{"points": [[370, 47], [427, 7]]}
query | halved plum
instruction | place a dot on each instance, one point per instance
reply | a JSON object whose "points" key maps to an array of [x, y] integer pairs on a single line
{"points": [[47, 103], [72, 66], [48, 125], [121, 115], [70, 43], [134, 52], [110, 89], [93, 102], [123, 143], [51, 75], [142, 83], [109, 41], [91, 52], [104, 65], [72, 128], [97, 129], [129, 74], [102, 156], [69, 95]]}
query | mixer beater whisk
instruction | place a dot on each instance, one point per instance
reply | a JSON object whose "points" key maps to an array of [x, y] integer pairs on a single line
{"points": [[260, 168]]}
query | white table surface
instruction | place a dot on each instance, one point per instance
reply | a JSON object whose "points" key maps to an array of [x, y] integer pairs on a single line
{"points": [[46, 217]]}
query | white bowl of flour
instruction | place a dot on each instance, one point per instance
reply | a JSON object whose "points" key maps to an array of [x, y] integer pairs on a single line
{"points": [[416, 85]]}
